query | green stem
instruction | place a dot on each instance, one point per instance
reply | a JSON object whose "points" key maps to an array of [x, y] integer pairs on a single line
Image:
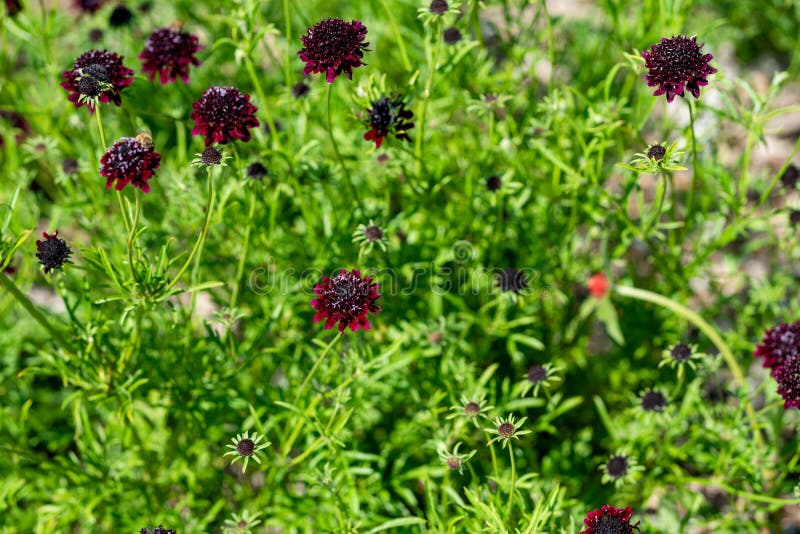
{"points": [[346, 173], [202, 237], [34, 311], [709, 331], [314, 368], [742, 191], [661, 192], [400, 44], [513, 482], [100, 127], [695, 173], [777, 177], [287, 74], [246, 243], [426, 96], [273, 132]]}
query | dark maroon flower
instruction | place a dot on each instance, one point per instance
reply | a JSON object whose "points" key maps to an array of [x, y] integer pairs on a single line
{"points": [[438, 7], [69, 166], [130, 161], [13, 7], [506, 430], [656, 152], [790, 176], [617, 466], [452, 35], [168, 52], [333, 46], [223, 114], [157, 530], [211, 156], [653, 401], [373, 233], [347, 299], [18, 122], [256, 171], [246, 447], [120, 16], [788, 378], [471, 409], [675, 64], [300, 89], [494, 183], [388, 116], [537, 374], [512, 280], [53, 252], [779, 344], [95, 35], [609, 520], [681, 352], [100, 66], [88, 6]]}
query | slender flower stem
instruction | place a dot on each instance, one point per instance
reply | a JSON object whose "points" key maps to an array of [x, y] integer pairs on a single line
{"points": [[273, 132], [287, 73], [314, 368], [709, 331], [696, 172], [243, 255], [348, 178], [513, 481], [400, 44], [202, 237], [426, 96], [100, 127], [23, 299]]}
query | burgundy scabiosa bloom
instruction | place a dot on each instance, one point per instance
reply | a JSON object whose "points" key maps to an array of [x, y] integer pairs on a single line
{"points": [[223, 114], [779, 344], [157, 530], [52, 252], [13, 7], [512, 280], [345, 299], [788, 378], [333, 46], [97, 73], [131, 160], [168, 52], [653, 401], [388, 116], [89, 7], [609, 520], [676, 64]]}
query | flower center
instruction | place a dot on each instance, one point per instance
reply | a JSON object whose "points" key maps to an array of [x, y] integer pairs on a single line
{"points": [[472, 408], [505, 430], [246, 447], [537, 374], [611, 525]]}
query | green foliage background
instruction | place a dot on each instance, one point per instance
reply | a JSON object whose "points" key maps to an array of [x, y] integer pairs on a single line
{"points": [[126, 426]]}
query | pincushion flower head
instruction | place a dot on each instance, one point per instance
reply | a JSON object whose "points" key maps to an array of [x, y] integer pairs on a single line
{"points": [[538, 376], [507, 428], [620, 469], [453, 460], [346, 299], [224, 114], [471, 408], [245, 446], [158, 530], [168, 53], [334, 47], [97, 75], [52, 252], [609, 520], [131, 160], [779, 344], [788, 378], [676, 64], [388, 116]]}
